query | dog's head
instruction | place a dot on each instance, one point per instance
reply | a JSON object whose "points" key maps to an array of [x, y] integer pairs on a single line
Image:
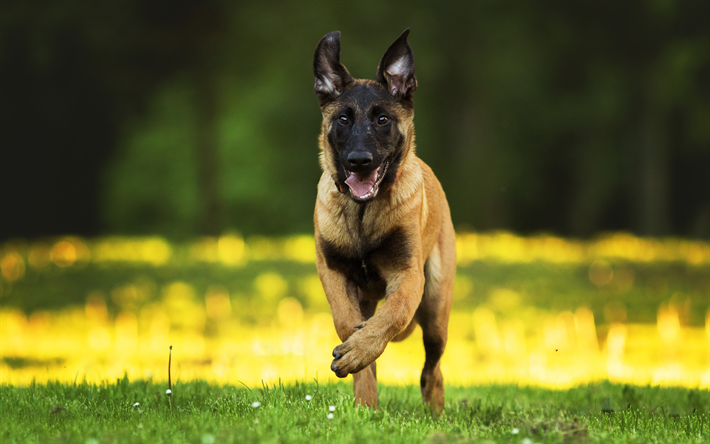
{"points": [[367, 125]]}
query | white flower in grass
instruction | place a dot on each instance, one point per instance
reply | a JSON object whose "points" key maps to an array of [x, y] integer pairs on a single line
{"points": [[515, 431], [255, 404], [330, 416], [308, 398], [331, 408], [168, 392], [136, 404]]}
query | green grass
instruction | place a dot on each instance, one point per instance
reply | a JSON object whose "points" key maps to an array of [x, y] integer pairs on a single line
{"points": [[203, 413]]}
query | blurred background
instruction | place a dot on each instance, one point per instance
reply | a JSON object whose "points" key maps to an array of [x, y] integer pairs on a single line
{"points": [[183, 118], [159, 161]]}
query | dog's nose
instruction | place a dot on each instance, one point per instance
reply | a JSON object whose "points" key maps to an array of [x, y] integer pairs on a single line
{"points": [[359, 159]]}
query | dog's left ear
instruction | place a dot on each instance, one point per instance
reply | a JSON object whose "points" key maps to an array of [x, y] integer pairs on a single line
{"points": [[396, 69]]}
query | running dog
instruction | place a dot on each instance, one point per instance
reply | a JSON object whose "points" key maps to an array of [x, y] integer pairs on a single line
{"points": [[382, 223]]}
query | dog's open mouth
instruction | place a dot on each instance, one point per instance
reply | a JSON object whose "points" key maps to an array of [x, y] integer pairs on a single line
{"points": [[364, 186]]}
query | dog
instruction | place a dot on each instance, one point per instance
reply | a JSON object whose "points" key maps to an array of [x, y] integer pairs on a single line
{"points": [[383, 227]]}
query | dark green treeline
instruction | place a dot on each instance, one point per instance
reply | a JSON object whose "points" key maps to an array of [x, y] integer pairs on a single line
{"points": [[186, 118]]}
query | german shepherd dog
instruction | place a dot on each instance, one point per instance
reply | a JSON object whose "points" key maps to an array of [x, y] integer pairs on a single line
{"points": [[382, 224]]}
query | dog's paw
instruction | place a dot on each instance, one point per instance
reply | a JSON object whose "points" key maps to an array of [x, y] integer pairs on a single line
{"points": [[353, 355]]}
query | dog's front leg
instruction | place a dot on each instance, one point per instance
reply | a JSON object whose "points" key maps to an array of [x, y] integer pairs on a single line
{"points": [[344, 301], [369, 341]]}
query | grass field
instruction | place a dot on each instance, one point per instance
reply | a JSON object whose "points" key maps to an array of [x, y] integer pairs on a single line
{"points": [[550, 340], [200, 413]]}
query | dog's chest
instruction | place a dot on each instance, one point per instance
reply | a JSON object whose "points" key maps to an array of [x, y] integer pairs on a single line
{"points": [[366, 261]]}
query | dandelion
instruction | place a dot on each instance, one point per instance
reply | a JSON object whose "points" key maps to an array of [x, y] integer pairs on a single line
{"points": [[136, 404], [515, 431], [330, 416], [308, 398], [331, 408], [255, 404], [168, 392]]}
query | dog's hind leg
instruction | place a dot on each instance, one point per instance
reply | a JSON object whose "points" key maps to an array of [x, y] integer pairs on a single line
{"points": [[433, 316], [365, 381], [407, 331], [365, 384]]}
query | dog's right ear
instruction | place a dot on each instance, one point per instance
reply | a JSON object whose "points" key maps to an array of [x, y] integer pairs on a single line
{"points": [[331, 77]]}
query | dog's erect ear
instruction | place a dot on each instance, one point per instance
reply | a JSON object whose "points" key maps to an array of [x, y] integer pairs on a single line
{"points": [[331, 77], [396, 69]]}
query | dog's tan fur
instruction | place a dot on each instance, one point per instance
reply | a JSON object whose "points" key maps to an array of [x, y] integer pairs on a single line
{"points": [[417, 291]]}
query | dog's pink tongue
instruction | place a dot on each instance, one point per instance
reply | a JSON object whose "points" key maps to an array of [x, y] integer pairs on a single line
{"points": [[361, 183]]}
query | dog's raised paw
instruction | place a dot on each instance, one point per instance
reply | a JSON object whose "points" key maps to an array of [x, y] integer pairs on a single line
{"points": [[337, 370]]}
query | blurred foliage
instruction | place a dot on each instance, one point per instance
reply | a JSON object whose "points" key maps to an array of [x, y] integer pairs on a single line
{"points": [[182, 118]]}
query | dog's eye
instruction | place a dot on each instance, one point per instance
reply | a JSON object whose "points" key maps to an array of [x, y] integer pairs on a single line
{"points": [[383, 119], [343, 120]]}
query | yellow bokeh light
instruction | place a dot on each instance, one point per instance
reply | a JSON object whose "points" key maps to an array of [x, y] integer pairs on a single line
{"points": [[311, 287], [125, 296], [99, 339], [586, 329], [63, 254], [205, 250], [600, 272], [152, 250], [466, 248], [182, 308], [668, 323], [96, 311], [39, 255], [217, 303], [514, 338], [271, 286], [463, 288], [555, 334], [126, 332], [301, 249], [289, 311], [504, 299], [12, 267], [486, 331], [230, 249]]}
